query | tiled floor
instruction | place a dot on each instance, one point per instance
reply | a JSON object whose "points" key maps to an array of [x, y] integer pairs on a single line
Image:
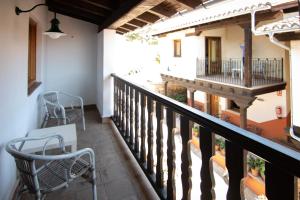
{"points": [[117, 176]]}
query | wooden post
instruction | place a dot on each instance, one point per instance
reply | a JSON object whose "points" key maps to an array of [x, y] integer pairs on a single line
{"points": [[192, 97], [208, 103], [248, 56], [166, 88], [243, 117]]}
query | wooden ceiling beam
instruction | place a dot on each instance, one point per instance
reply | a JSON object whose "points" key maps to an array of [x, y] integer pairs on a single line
{"points": [[190, 3], [284, 37], [149, 17], [97, 4], [284, 6], [82, 16], [121, 29], [81, 7], [128, 27], [156, 13], [128, 11], [137, 23], [165, 9]]}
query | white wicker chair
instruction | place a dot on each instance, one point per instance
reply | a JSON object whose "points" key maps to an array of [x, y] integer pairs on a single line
{"points": [[63, 107], [41, 174]]}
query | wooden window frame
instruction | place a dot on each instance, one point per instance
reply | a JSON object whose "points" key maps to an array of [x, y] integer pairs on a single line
{"points": [[177, 47], [32, 51]]}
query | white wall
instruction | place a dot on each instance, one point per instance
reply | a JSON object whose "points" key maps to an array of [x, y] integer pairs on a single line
{"points": [[295, 82], [72, 59], [106, 64], [18, 112], [232, 37]]}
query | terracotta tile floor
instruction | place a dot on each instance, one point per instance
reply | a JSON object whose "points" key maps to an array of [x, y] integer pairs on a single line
{"points": [[117, 174]]}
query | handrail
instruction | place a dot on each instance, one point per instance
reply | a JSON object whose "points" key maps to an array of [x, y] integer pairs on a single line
{"points": [[277, 154]]}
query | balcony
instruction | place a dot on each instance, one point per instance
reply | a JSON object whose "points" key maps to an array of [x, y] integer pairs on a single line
{"points": [[265, 71], [150, 123]]}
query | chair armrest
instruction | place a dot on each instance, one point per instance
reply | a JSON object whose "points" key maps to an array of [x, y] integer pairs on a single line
{"points": [[80, 99], [12, 143]]}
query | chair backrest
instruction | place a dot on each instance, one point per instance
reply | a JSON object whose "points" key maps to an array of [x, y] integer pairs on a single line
{"points": [[52, 104], [25, 165]]}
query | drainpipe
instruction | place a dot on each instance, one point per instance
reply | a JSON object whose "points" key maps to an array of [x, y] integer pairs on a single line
{"points": [[277, 43]]}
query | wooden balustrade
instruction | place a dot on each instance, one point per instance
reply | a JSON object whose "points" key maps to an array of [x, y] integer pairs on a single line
{"points": [[132, 102]]}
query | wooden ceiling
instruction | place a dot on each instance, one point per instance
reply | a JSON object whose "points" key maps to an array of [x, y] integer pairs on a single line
{"points": [[121, 15]]}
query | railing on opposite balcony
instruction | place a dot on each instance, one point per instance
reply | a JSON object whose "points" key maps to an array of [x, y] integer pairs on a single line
{"points": [[137, 110], [264, 71]]}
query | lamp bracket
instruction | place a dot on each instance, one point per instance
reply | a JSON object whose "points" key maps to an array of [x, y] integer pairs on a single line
{"points": [[18, 10]]}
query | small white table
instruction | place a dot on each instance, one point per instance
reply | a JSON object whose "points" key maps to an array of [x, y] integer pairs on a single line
{"points": [[68, 132]]}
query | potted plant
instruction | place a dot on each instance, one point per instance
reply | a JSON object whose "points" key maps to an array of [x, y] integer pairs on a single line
{"points": [[220, 145], [256, 165], [195, 131]]}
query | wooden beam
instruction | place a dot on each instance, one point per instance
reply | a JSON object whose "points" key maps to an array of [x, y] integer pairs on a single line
{"points": [[128, 27], [78, 15], [288, 36], [128, 11], [97, 4], [81, 7], [137, 22], [165, 9], [156, 13], [285, 6], [248, 56], [191, 3], [149, 17], [122, 30]]}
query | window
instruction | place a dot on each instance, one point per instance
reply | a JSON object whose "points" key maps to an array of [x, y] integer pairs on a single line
{"points": [[32, 83], [233, 106], [177, 48]]}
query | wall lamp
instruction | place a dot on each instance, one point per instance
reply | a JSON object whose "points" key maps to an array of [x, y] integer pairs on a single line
{"points": [[54, 32]]}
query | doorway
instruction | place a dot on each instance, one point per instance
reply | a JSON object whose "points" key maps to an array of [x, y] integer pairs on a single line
{"points": [[213, 55]]}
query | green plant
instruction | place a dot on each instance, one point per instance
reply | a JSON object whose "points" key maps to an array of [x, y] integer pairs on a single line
{"points": [[195, 131], [255, 162], [179, 97], [220, 142]]}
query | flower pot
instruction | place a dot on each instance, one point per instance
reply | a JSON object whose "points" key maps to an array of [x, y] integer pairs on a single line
{"points": [[255, 171], [222, 152], [217, 147]]}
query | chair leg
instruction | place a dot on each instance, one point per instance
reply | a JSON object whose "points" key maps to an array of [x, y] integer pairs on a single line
{"points": [[94, 185], [83, 123], [38, 195]]}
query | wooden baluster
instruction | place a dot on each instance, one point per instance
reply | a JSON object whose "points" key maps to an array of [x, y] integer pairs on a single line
{"points": [[159, 145], [171, 155], [235, 165], [123, 110], [150, 160], [185, 162], [279, 184], [143, 128], [137, 122], [206, 147], [119, 104], [127, 113], [115, 100], [131, 117]]}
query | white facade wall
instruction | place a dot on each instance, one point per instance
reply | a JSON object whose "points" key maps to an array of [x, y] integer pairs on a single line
{"points": [[18, 111], [232, 38], [106, 65], [295, 82], [72, 59]]}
